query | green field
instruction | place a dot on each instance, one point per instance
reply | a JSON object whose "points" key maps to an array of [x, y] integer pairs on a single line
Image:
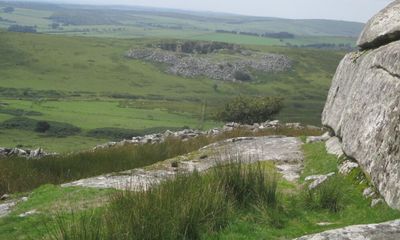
{"points": [[80, 20], [77, 72], [89, 83]]}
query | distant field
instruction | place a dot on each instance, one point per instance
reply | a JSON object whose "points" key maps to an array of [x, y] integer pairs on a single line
{"points": [[155, 23], [89, 83], [77, 72]]}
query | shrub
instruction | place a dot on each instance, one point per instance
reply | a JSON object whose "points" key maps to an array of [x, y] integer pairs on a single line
{"points": [[242, 76], [51, 128], [42, 126], [249, 110]]}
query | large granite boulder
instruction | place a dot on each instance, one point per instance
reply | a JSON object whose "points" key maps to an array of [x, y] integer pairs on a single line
{"points": [[363, 109], [383, 28]]}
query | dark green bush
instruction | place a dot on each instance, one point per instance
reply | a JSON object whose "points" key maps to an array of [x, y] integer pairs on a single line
{"points": [[242, 76], [57, 129], [42, 126], [249, 110]]}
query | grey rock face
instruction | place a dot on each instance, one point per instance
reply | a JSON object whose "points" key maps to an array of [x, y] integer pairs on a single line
{"points": [[383, 28], [363, 110], [387, 230]]}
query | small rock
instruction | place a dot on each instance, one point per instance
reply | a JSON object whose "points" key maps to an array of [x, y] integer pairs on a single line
{"points": [[4, 197], [368, 192], [324, 223], [318, 180], [376, 201], [29, 213], [347, 166]]}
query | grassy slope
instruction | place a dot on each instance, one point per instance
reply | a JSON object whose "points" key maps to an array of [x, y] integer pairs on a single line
{"points": [[246, 224], [87, 71]]}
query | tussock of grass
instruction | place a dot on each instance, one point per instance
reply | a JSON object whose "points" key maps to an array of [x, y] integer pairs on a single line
{"points": [[329, 195], [186, 207]]}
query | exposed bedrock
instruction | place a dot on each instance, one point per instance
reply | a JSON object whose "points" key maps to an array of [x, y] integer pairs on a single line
{"points": [[363, 105]]}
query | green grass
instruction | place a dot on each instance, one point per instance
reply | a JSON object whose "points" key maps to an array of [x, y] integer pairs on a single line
{"points": [[173, 208], [87, 82], [49, 201]]}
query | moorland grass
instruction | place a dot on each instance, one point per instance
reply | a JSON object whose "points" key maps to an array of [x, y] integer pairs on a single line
{"points": [[21, 174], [186, 207]]}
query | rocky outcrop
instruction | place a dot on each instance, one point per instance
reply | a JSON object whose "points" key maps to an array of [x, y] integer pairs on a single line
{"points": [[363, 105], [27, 153], [187, 134], [387, 230], [210, 66], [285, 152], [382, 28]]}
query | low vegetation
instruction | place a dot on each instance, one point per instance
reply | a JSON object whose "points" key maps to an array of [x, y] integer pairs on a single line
{"points": [[21, 174], [249, 110]]}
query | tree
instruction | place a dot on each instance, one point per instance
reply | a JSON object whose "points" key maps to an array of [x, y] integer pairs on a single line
{"points": [[249, 110]]}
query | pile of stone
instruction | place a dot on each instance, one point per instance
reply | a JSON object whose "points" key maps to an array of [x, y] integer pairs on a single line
{"points": [[187, 134], [191, 65], [27, 153]]}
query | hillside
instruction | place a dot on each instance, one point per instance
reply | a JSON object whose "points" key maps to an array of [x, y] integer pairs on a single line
{"points": [[89, 83], [134, 22]]}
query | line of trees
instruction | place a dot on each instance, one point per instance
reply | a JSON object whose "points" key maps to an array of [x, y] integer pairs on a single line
{"points": [[20, 28]]}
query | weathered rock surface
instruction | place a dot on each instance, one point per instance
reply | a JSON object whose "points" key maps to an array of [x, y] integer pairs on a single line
{"points": [[285, 152], [363, 107], [37, 153], [190, 133], [387, 231], [383, 28], [318, 180]]}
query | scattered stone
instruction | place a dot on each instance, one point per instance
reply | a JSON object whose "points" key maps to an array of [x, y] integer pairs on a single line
{"points": [[387, 231], [318, 180], [27, 153], [191, 65], [347, 166], [187, 134], [313, 139]]}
